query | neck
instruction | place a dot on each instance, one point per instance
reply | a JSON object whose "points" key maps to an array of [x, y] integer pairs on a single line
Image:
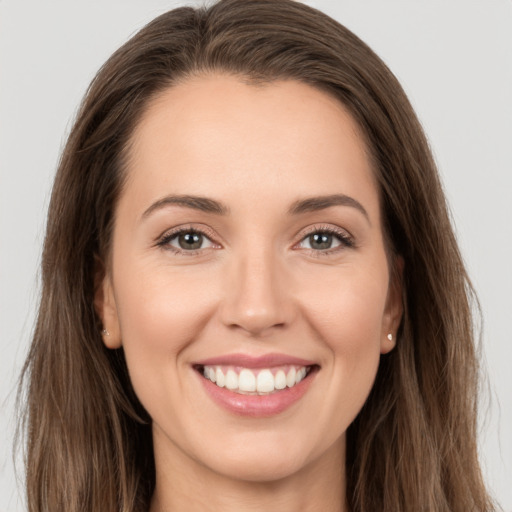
{"points": [[184, 484]]}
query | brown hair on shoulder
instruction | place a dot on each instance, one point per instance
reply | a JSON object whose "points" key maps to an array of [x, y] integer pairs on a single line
{"points": [[413, 446]]}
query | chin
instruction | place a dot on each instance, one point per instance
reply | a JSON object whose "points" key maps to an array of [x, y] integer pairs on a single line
{"points": [[262, 466], [268, 456]]}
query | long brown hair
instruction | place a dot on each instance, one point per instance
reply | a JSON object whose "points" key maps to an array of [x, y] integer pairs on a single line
{"points": [[413, 445]]}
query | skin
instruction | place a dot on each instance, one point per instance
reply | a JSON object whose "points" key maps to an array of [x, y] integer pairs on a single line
{"points": [[256, 285]]}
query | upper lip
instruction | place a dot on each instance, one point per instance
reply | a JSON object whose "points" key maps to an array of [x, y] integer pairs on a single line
{"points": [[248, 361]]}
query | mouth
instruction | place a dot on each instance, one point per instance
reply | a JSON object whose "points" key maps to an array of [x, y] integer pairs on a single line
{"points": [[256, 387], [256, 381]]}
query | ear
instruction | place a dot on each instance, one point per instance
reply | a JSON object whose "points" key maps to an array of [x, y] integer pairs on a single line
{"points": [[105, 306], [394, 307]]}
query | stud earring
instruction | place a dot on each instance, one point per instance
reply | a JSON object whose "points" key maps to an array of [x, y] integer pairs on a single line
{"points": [[390, 337], [105, 332]]}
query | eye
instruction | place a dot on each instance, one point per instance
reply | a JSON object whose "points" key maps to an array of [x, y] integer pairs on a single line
{"points": [[320, 241], [186, 240], [325, 240]]}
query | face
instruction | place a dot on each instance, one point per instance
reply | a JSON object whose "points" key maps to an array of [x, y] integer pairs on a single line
{"points": [[248, 247]]}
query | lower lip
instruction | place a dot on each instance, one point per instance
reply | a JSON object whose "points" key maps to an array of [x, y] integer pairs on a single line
{"points": [[257, 405]]}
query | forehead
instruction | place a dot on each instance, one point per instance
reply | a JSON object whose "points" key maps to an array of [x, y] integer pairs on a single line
{"points": [[216, 135]]}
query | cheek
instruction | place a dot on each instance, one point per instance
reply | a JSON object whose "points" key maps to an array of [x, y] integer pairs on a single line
{"points": [[352, 333], [348, 321], [349, 311], [159, 316]]}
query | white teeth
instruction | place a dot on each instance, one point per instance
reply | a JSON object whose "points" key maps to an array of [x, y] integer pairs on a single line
{"points": [[259, 381], [231, 380], [290, 377], [265, 382], [219, 377], [280, 380], [300, 375], [247, 381]]}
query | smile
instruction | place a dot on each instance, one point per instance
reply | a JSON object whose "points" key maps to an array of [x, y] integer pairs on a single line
{"points": [[260, 386], [261, 381]]}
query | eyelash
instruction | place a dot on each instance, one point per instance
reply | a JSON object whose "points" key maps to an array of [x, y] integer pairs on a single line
{"points": [[165, 240], [346, 241]]}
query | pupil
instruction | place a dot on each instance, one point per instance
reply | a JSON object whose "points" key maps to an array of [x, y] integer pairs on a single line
{"points": [[320, 241], [190, 240]]}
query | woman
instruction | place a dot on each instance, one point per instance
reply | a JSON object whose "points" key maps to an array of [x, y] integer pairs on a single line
{"points": [[252, 295]]}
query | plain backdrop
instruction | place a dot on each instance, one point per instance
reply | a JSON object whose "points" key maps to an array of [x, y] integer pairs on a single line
{"points": [[454, 59]]}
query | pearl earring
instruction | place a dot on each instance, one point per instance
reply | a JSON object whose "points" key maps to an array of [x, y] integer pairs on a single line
{"points": [[390, 337], [105, 332]]}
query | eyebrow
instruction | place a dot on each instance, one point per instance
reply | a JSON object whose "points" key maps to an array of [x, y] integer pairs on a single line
{"points": [[313, 204], [205, 204]]}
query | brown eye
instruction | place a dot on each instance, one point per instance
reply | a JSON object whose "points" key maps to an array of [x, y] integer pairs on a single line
{"points": [[188, 240], [320, 241], [324, 240]]}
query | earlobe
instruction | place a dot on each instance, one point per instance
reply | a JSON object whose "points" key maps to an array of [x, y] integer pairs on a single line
{"points": [[388, 343], [394, 307], [105, 306]]}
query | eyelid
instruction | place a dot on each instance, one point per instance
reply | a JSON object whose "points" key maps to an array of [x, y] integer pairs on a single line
{"points": [[346, 239], [164, 239]]}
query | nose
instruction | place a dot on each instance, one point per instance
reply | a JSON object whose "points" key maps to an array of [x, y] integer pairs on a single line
{"points": [[257, 299]]}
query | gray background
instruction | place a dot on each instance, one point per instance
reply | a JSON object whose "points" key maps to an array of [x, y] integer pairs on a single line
{"points": [[454, 58]]}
